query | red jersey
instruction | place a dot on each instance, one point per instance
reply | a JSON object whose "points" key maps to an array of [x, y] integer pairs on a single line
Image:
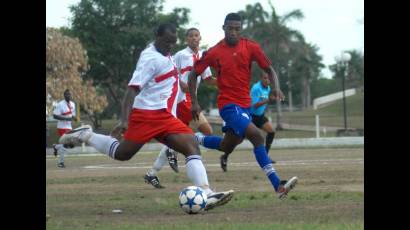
{"points": [[232, 67]]}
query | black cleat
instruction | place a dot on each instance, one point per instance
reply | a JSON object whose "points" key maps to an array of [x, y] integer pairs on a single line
{"points": [[273, 162], [55, 150], [224, 162], [153, 180], [61, 165], [172, 159]]}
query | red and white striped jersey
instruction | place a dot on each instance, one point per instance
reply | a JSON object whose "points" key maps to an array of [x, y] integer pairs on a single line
{"points": [[185, 60], [156, 76], [66, 110]]}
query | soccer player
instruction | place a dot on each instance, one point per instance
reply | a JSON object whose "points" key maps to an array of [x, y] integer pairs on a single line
{"points": [[231, 58], [184, 60], [64, 113], [260, 98], [148, 111]]}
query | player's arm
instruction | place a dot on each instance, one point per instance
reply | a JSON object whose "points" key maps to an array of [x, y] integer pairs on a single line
{"points": [[127, 102], [211, 81], [259, 104], [184, 86], [256, 96], [195, 108], [274, 80], [126, 107], [61, 118]]}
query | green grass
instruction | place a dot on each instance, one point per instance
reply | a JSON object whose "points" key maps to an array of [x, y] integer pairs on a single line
{"points": [[331, 115], [328, 196]]}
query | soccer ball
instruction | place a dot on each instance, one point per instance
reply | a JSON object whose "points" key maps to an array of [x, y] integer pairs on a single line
{"points": [[192, 199]]}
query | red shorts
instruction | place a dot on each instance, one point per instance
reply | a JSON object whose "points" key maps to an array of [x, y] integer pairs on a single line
{"points": [[62, 131], [184, 112], [143, 125]]}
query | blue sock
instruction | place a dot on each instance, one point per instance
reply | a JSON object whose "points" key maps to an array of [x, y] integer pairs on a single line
{"points": [[212, 142], [266, 164]]}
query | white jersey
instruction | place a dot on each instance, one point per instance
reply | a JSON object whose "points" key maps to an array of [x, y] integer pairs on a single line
{"points": [[66, 110], [157, 77], [184, 60]]}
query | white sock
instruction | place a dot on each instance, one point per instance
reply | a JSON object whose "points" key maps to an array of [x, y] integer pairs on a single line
{"points": [[200, 137], [104, 144], [61, 151], [159, 162], [196, 172]]}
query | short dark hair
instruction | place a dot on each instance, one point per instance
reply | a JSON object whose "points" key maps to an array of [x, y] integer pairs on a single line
{"points": [[66, 91], [163, 27], [233, 17], [190, 29]]}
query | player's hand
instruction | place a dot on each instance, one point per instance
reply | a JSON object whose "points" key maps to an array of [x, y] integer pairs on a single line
{"points": [[195, 109], [277, 95], [119, 129]]}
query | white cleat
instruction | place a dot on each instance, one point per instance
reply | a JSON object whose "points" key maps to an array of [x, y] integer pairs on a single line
{"points": [[77, 136], [216, 199], [285, 189]]}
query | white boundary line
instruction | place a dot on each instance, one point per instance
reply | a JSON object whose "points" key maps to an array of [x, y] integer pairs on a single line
{"points": [[147, 165]]}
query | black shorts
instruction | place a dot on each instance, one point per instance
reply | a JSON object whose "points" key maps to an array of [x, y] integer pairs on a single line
{"points": [[259, 121]]}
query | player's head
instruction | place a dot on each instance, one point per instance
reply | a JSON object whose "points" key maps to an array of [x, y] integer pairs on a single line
{"points": [[67, 95], [165, 37], [232, 28], [265, 79], [192, 38]]}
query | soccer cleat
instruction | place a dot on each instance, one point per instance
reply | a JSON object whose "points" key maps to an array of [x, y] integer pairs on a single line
{"points": [[172, 159], [216, 199], [273, 162], [286, 186], [224, 162], [55, 150], [61, 165], [153, 180], [77, 136]]}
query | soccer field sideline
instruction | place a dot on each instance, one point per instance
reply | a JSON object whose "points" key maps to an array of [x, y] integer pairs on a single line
{"points": [[277, 144]]}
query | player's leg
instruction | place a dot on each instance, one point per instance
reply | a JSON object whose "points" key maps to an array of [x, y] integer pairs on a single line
{"points": [[187, 145], [202, 125], [270, 133], [105, 144], [235, 124], [256, 138], [60, 149], [151, 176]]}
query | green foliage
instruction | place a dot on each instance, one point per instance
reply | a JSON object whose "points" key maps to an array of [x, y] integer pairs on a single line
{"points": [[114, 34]]}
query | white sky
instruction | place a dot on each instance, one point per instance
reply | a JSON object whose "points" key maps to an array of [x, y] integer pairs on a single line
{"points": [[333, 25]]}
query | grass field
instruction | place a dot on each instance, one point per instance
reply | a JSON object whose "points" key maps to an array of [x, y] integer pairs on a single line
{"points": [[329, 195], [331, 115]]}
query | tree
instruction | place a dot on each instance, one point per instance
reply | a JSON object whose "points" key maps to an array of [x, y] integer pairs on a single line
{"points": [[114, 33], [66, 62], [355, 71]]}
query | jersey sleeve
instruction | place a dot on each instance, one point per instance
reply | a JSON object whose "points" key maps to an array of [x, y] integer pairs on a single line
{"points": [[259, 56], [57, 110], [203, 63], [255, 95], [73, 111], [144, 71], [206, 74]]}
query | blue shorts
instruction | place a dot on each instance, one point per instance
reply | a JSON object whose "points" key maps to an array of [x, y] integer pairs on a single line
{"points": [[236, 119]]}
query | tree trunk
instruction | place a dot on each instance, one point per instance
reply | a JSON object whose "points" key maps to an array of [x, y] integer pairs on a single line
{"points": [[279, 125], [308, 95]]}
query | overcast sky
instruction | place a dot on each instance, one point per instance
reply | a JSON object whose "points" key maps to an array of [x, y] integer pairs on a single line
{"points": [[332, 25]]}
